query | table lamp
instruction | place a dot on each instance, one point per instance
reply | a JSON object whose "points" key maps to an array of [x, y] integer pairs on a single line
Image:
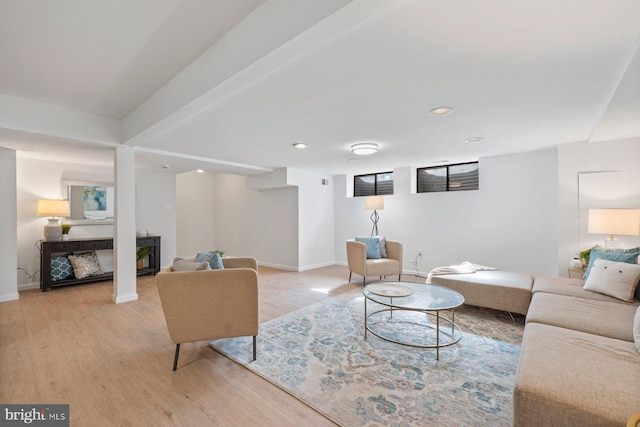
{"points": [[53, 209], [376, 203], [622, 222]]}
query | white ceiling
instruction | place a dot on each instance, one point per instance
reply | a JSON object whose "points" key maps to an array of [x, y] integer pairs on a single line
{"points": [[231, 85]]}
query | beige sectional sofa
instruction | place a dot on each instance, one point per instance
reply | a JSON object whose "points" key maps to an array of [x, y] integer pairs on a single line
{"points": [[579, 364]]}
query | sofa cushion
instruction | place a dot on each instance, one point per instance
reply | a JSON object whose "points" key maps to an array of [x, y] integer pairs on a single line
{"points": [[181, 264], [214, 260], [605, 318], [571, 287], [373, 246], [572, 378], [616, 279], [619, 255], [61, 268]]}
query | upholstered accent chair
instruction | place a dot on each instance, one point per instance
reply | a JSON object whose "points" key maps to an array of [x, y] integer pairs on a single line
{"points": [[210, 304], [359, 264]]}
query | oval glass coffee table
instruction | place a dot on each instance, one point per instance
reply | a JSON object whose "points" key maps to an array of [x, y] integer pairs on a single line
{"points": [[430, 300]]}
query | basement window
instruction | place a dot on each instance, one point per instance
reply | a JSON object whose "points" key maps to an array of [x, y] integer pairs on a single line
{"points": [[458, 177], [375, 184]]}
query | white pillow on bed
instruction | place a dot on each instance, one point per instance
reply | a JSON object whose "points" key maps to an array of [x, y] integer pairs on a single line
{"points": [[616, 279]]}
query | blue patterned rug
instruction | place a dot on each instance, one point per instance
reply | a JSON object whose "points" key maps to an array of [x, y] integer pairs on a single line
{"points": [[319, 355]]}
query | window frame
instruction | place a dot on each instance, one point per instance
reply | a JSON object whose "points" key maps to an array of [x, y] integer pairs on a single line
{"points": [[375, 183], [447, 168]]}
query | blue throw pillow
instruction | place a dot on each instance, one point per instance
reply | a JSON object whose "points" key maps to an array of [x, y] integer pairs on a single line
{"points": [[61, 268], [373, 246], [214, 260], [622, 255]]}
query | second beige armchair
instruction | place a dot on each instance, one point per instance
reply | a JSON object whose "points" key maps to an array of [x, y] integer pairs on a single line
{"points": [[359, 264]]}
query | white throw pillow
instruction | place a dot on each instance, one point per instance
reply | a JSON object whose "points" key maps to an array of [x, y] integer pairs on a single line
{"points": [[616, 279], [636, 329], [180, 264]]}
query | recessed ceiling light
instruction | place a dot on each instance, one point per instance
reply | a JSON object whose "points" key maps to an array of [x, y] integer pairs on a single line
{"points": [[300, 145], [200, 170], [473, 139], [440, 111], [364, 148], [166, 166]]}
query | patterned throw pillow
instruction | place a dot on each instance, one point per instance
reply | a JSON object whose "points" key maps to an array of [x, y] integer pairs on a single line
{"points": [[82, 267], [93, 257], [61, 268]]}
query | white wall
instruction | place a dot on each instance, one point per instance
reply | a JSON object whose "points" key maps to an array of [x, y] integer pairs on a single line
{"points": [[315, 218], [510, 223], [156, 210], [261, 224], [590, 162], [8, 220], [195, 212]]}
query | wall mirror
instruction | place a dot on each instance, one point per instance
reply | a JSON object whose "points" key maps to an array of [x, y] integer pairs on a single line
{"points": [[89, 202]]}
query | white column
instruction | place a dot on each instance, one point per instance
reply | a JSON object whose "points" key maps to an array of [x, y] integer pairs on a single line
{"points": [[124, 242], [8, 226]]}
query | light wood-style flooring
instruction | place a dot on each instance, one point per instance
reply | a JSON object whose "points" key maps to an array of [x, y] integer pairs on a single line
{"points": [[112, 362]]}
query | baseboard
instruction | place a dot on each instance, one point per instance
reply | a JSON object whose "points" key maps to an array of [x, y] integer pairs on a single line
{"points": [[28, 286], [9, 297], [298, 269]]}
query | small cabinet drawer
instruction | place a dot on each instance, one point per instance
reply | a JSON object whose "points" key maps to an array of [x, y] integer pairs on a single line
{"points": [[98, 245], [145, 241]]}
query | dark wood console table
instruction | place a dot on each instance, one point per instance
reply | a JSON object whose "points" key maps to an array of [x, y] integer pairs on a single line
{"points": [[67, 247]]}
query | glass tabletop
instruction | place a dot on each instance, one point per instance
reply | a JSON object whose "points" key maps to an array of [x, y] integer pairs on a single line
{"points": [[424, 296]]}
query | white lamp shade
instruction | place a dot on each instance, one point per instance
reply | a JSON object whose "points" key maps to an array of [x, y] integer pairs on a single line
{"points": [[622, 222], [53, 208], [374, 203]]}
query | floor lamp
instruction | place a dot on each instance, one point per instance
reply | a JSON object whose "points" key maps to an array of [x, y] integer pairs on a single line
{"points": [[376, 203], [622, 222]]}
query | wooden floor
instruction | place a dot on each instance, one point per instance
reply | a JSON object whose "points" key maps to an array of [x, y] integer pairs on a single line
{"points": [[112, 362]]}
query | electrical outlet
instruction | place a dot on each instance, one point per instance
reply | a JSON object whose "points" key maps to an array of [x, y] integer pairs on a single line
{"points": [[420, 253]]}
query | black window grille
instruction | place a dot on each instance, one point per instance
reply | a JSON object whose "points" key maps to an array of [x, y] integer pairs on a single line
{"points": [[458, 177], [375, 184]]}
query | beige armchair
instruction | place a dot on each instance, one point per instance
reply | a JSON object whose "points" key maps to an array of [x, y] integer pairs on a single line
{"points": [[210, 304], [359, 264]]}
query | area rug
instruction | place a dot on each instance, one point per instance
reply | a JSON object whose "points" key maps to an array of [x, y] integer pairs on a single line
{"points": [[319, 355]]}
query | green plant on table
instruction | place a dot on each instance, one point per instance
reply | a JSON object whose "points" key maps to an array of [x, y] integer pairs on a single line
{"points": [[584, 256], [142, 252], [65, 228]]}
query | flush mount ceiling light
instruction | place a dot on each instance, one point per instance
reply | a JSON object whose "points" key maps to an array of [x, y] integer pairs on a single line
{"points": [[300, 145], [440, 111], [473, 139], [200, 170], [364, 148]]}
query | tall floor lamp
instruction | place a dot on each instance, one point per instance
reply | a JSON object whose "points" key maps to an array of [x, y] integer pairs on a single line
{"points": [[622, 222], [376, 203]]}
